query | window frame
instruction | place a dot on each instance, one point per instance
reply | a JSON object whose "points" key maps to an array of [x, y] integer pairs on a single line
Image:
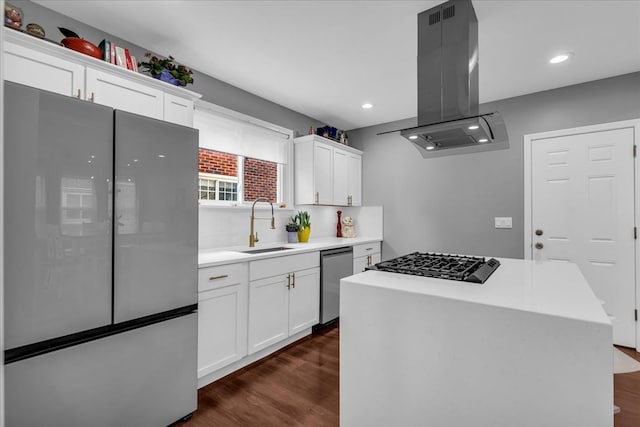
{"points": [[285, 171]]}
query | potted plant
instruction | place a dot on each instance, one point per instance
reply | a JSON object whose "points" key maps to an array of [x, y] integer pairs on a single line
{"points": [[166, 70], [292, 230], [303, 219]]}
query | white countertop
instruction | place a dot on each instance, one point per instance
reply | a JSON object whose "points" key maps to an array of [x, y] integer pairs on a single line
{"points": [[221, 256], [556, 289]]}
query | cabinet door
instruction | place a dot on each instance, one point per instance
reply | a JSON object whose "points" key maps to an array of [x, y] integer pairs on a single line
{"points": [[375, 258], [304, 300], [268, 308], [354, 178], [123, 94], [222, 327], [178, 110], [340, 177], [42, 71], [359, 264], [323, 173]]}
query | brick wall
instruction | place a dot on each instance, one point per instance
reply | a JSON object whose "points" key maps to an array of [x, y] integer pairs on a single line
{"points": [[217, 163], [260, 180]]}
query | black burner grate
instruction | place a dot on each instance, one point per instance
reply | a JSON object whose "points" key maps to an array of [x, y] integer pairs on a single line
{"points": [[442, 266]]}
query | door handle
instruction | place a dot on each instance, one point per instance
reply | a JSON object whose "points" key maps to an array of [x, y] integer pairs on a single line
{"points": [[539, 245]]}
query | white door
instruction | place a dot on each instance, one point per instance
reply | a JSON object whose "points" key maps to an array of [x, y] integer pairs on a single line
{"points": [[582, 211], [340, 177], [323, 173], [222, 327], [355, 179], [304, 300], [123, 94], [268, 312]]}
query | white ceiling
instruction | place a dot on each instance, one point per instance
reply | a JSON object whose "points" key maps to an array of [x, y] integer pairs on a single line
{"points": [[326, 58]]}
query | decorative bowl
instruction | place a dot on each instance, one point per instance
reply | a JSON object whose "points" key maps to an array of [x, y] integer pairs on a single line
{"points": [[82, 46]]}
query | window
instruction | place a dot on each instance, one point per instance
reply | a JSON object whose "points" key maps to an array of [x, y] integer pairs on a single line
{"points": [[217, 187], [240, 159]]}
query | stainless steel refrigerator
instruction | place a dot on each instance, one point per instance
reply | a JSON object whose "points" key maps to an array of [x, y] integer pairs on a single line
{"points": [[100, 249]]}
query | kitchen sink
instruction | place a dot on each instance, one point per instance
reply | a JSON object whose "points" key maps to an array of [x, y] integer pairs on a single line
{"points": [[263, 250]]}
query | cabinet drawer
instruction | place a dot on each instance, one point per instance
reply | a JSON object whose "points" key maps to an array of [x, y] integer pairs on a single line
{"points": [[366, 249], [282, 265], [221, 276]]}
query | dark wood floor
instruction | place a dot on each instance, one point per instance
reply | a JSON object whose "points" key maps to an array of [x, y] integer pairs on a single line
{"points": [[299, 385]]}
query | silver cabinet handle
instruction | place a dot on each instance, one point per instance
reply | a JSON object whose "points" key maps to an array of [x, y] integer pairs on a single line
{"points": [[92, 97], [289, 281], [294, 279], [539, 245], [222, 276], [317, 197], [79, 94], [369, 249]]}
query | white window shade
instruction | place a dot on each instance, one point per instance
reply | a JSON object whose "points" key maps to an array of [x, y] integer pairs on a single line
{"points": [[222, 133]]}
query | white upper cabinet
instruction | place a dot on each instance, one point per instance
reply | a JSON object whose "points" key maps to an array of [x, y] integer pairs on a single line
{"points": [[33, 62], [326, 172], [354, 179], [38, 69], [120, 93]]}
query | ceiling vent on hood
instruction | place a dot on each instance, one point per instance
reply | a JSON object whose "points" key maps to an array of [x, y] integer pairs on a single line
{"points": [[448, 56]]}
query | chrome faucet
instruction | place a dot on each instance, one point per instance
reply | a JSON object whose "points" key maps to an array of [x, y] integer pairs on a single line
{"points": [[253, 237]]}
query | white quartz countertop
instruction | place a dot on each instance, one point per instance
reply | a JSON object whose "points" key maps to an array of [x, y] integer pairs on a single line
{"points": [[221, 256], [557, 289]]}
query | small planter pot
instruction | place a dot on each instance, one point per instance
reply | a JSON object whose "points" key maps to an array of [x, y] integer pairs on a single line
{"points": [[303, 235], [292, 236], [166, 76]]}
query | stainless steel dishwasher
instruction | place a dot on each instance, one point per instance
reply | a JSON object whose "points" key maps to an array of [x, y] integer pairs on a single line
{"points": [[334, 265]]}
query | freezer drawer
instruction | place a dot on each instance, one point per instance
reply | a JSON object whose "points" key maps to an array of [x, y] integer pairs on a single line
{"points": [[58, 169], [143, 377], [156, 213]]}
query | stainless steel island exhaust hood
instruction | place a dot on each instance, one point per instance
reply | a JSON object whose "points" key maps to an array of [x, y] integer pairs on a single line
{"points": [[448, 116]]}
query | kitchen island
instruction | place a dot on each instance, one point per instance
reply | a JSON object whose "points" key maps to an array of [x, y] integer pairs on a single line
{"points": [[532, 346]]}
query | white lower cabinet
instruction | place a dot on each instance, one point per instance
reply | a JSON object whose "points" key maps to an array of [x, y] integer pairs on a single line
{"points": [[284, 303], [268, 308], [304, 300], [365, 255], [222, 316]]}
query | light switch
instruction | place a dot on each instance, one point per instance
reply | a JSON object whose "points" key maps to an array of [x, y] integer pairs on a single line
{"points": [[503, 222]]}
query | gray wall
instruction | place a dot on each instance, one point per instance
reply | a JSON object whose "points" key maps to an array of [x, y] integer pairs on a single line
{"points": [[448, 204], [212, 90]]}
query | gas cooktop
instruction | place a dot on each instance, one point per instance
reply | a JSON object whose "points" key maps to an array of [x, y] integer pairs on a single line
{"points": [[441, 266]]}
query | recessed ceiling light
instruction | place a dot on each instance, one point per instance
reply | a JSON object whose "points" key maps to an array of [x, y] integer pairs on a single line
{"points": [[559, 58], [473, 127], [162, 156], [430, 147], [413, 137], [367, 106], [483, 140]]}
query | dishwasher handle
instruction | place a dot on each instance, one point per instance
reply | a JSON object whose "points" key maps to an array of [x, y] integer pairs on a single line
{"points": [[337, 251]]}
